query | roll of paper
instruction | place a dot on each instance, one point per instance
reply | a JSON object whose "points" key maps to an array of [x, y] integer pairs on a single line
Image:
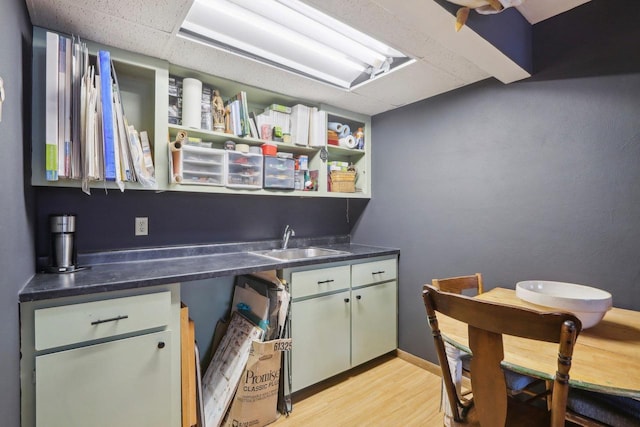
{"points": [[336, 127], [340, 129], [175, 148], [191, 103], [181, 135], [348, 142]]}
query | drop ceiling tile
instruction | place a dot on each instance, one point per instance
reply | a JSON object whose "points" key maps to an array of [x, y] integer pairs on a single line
{"points": [[161, 15], [452, 63], [410, 84], [66, 17], [352, 101]]}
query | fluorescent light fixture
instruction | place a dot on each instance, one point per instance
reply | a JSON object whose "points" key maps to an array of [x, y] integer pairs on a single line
{"points": [[293, 36]]}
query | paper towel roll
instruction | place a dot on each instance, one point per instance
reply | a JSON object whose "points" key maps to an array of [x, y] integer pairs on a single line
{"points": [[340, 129], [191, 103], [348, 142], [335, 126]]}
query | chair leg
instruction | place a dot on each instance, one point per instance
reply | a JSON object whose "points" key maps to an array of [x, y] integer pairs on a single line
{"points": [[582, 420]]}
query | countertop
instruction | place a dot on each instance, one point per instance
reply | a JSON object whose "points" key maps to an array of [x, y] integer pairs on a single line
{"points": [[118, 270]]}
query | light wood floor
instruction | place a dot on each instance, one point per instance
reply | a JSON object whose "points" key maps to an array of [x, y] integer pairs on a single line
{"points": [[389, 392]]}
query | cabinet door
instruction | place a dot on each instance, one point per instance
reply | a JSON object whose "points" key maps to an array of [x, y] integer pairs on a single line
{"points": [[373, 321], [120, 383], [320, 333]]}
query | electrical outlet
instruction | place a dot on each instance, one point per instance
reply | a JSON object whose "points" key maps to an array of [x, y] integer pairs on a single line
{"points": [[142, 226]]}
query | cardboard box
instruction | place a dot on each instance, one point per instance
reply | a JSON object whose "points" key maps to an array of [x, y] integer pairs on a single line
{"points": [[256, 400]]}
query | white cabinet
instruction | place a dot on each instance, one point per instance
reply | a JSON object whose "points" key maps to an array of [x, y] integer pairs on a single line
{"points": [[320, 323], [320, 331], [110, 359], [124, 383], [373, 321], [342, 315]]}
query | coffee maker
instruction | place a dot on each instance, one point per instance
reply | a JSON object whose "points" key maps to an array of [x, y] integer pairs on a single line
{"points": [[62, 257]]}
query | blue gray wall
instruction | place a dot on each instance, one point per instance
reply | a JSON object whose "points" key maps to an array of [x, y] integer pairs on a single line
{"points": [[106, 221], [534, 180], [16, 207]]}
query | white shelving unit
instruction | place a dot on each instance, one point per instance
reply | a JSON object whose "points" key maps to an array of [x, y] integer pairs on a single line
{"points": [[144, 84]]}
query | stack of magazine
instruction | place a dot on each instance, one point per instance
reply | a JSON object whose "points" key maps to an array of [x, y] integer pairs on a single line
{"points": [[87, 134]]}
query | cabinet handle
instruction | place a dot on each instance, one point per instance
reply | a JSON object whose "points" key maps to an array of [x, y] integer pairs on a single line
{"points": [[346, 300], [358, 296], [161, 345], [378, 272], [113, 319], [325, 281]]}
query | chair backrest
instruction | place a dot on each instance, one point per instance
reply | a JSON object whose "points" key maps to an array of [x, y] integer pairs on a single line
{"points": [[458, 284], [487, 322]]}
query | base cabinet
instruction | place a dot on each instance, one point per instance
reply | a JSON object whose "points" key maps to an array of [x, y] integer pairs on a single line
{"points": [[374, 322], [342, 315], [102, 360], [320, 327], [122, 383]]}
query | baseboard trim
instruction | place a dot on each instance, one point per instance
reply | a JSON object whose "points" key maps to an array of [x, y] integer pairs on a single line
{"points": [[419, 362]]}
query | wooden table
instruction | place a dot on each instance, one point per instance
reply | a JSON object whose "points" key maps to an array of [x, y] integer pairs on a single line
{"points": [[606, 357]]}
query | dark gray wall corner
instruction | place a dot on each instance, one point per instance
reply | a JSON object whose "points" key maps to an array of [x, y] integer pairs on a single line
{"points": [[533, 180], [601, 37], [16, 218]]}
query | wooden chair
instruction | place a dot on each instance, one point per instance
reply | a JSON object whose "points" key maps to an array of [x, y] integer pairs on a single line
{"points": [[472, 285], [457, 285], [488, 322]]}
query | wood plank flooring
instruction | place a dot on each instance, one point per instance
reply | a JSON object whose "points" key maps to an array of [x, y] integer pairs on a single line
{"points": [[387, 392]]}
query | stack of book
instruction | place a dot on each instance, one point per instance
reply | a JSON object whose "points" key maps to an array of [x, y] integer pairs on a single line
{"points": [[239, 115], [87, 134], [275, 115], [175, 100]]}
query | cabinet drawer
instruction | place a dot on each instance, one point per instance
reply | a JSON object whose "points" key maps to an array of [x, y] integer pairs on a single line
{"points": [[312, 282], [72, 324], [373, 272]]}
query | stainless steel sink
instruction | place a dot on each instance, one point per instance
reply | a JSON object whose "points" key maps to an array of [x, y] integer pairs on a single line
{"points": [[297, 253]]}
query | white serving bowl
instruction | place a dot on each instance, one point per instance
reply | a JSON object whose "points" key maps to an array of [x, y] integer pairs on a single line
{"points": [[586, 303]]}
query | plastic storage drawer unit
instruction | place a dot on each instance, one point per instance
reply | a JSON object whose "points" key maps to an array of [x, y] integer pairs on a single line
{"points": [[244, 170], [203, 166], [279, 173]]}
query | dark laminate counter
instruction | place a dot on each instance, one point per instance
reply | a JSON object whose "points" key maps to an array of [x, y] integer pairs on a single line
{"points": [[120, 270]]}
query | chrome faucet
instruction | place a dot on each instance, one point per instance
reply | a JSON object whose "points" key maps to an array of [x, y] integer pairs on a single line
{"points": [[288, 232]]}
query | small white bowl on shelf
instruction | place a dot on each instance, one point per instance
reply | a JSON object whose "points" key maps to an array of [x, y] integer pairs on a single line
{"points": [[587, 303]]}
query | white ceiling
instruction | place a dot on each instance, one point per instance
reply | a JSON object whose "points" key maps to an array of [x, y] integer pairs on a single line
{"points": [[446, 60]]}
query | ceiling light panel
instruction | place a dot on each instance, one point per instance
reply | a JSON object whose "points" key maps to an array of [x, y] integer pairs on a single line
{"points": [[291, 35]]}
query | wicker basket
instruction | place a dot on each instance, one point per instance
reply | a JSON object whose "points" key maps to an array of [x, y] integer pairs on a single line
{"points": [[343, 181]]}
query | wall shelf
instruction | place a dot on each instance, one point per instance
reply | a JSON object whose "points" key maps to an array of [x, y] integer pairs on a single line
{"points": [[144, 84]]}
